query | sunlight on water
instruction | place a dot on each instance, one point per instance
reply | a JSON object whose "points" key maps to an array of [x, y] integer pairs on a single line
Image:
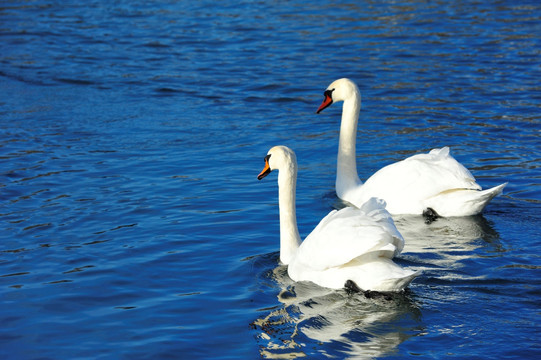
{"points": [[131, 134]]}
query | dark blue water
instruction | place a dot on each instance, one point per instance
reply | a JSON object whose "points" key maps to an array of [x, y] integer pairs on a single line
{"points": [[132, 225]]}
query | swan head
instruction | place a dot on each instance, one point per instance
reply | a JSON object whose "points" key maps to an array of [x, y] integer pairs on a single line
{"points": [[278, 157], [339, 90]]}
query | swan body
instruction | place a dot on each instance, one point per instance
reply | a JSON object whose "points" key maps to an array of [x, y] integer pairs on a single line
{"points": [[347, 245], [434, 180]]}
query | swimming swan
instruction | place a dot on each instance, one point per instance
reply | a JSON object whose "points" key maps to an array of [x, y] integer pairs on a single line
{"points": [[423, 182], [353, 246]]}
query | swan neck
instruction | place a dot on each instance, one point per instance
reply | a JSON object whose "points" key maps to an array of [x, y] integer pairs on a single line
{"points": [[346, 175], [289, 233]]}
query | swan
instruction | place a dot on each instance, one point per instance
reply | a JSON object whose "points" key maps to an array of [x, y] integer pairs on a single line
{"points": [[431, 184], [350, 248]]}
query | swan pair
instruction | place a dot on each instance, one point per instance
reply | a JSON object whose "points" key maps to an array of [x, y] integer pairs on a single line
{"points": [[354, 247]]}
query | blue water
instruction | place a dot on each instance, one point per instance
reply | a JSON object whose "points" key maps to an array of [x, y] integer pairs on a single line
{"points": [[132, 225]]}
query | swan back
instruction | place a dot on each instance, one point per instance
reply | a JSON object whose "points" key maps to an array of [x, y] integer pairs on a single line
{"points": [[408, 185], [353, 244], [350, 233]]}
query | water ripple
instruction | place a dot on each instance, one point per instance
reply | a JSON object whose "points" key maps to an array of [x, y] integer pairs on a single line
{"points": [[132, 133]]}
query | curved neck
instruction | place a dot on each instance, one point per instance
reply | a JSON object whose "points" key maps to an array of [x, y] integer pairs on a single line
{"points": [[289, 233], [346, 174]]}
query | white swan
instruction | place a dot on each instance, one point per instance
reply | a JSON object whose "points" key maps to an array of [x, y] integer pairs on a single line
{"points": [[433, 181], [348, 245]]}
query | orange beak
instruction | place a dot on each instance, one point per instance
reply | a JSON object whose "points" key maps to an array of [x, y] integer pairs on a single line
{"points": [[266, 170], [326, 102]]}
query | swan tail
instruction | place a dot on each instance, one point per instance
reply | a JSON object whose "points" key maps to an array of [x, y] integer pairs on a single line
{"points": [[489, 194], [382, 274], [463, 202], [481, 198], [399, 283]]}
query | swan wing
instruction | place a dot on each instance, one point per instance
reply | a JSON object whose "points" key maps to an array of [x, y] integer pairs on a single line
{"points": [[407, 183], [350, 233]]}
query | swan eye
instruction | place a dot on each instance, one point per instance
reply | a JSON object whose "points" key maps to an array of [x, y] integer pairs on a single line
{"points": [[328, 93]]}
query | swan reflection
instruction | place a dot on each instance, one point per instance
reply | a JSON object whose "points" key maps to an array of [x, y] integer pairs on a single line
{"points": [[354, 325], [446, 241]]}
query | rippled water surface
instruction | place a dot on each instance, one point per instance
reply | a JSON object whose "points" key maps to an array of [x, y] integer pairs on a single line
{"points": [[132, 225]]}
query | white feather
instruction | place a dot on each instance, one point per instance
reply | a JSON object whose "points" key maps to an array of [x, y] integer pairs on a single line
{"points": [[348, 244], [434, 180]]}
